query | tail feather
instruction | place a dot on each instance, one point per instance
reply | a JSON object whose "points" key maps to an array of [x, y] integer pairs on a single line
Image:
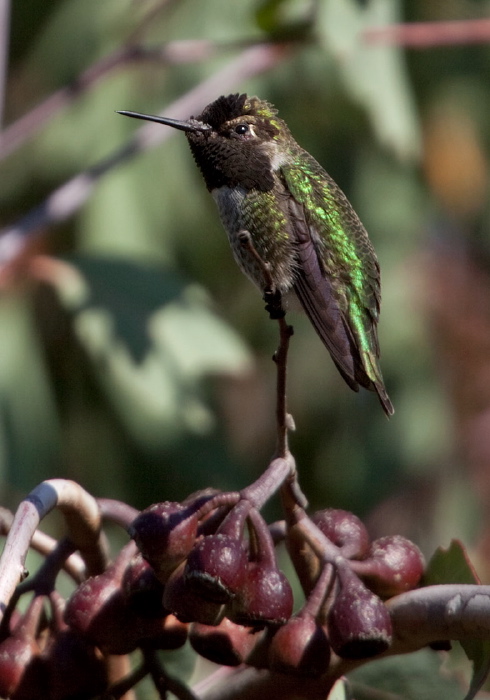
{"points": [[317, 298]]}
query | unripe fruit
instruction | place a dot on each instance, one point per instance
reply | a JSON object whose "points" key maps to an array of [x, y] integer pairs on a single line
{"points": [[114, 627], [171, 635], [345, 530], [75, 669], [394, 565], [15, 656], [265, 597], [19, 653], [165, 534], [142, 590], [99, 611], [180, 598], [359, 624], [216, 567], [227, 644], [300, 647]]}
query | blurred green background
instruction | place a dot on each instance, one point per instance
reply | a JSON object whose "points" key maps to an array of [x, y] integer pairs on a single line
{"points": [[134, 356]]}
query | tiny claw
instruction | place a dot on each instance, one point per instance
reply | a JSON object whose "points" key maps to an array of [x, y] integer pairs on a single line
{"points": [[244, 238], [273, 304]]}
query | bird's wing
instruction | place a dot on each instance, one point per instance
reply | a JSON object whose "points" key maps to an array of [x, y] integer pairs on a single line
{"points": [[338, 280], [315, 291]]}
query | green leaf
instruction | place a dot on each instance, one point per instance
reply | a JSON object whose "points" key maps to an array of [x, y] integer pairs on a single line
{"points": [[340, 691], [415, 676], [284, 17], [151, 338], [452, 565], [374, 74], [266, 14]]}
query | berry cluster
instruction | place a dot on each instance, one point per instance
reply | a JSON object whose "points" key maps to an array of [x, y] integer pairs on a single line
{"points": [[206, 570]]}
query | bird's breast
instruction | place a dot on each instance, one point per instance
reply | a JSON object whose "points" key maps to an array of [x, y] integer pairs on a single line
{"points": [[261, 216]]}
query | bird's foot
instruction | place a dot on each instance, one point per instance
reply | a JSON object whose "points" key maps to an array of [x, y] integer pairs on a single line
{"points": [[273, 304]]}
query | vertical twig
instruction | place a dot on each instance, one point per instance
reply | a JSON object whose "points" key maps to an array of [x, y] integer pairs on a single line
{"points": [[4, 52], [283, 418], [291, 492], [273, 305]]}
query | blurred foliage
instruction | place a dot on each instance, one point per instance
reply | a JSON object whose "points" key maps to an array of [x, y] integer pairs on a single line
{"points": [[135, 357]]}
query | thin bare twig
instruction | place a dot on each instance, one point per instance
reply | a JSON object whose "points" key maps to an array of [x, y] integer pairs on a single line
{"points": [[4, 51], [273, 299], [269, 482], [43, 581], [117, 511], [421, 35], [70, 196], [283, 418]]}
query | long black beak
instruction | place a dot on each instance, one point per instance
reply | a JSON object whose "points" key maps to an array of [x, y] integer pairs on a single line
{"points": [[193, 125]]}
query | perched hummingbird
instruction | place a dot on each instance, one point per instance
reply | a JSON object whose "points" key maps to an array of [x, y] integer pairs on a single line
{"points": [[301, 228]]}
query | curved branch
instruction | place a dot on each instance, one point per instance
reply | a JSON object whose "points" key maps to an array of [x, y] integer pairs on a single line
{"points": [[83, 520], [45, 544], [435, 613], [419, 617]]}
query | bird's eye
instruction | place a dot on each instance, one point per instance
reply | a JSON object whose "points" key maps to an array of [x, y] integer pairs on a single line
{"points": [[241, 129]]}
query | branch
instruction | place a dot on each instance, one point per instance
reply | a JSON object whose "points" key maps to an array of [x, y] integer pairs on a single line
{"points": [[283, 418], [44, 544], [4, 51], [83, 521], [273, 298], [247, 683], [421, 35], [117, 512], [434, 613], [419, 617], [70, 196]]}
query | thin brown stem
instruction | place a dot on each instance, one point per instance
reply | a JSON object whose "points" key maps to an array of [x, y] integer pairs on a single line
{"points": [[43, 581], [261, 542], [273, 298], [117, 511], [283, 418], [269, 482]]}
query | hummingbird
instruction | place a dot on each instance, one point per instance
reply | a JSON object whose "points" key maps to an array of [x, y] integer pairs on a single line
{"points": [[303, 234]]}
